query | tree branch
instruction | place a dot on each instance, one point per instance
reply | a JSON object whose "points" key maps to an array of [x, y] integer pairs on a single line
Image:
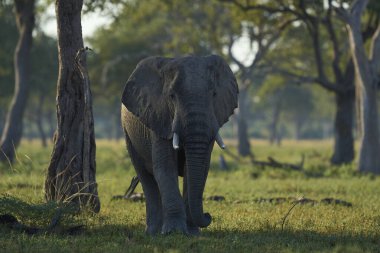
{"points": [[305, 15], [353, 15], [262, 7], [263, 48], [116, 60], [312, 24], [300, 79], [337, 53], [375, 50], [352, 18]]}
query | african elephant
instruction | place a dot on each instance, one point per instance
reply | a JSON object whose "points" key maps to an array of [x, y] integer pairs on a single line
{"points": [[172, 109]]}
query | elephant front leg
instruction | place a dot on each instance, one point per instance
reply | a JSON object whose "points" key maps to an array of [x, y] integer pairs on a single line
{"points": [[166, 174], [192, 228]]}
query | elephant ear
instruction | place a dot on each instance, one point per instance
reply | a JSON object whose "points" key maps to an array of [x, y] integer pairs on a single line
{"points": [[143, 96], [226, 89]]}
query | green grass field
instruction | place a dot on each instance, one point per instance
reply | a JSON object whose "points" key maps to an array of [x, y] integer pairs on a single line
{"points": [[241, 223]]}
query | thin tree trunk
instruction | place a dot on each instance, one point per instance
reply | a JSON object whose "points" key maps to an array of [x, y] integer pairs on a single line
{"points": [[38, 119], [52, 123], [118, 130], [299, 122], [2, 119], [344, 119], [273, 126], [11, 135], [244, 147], [71, 172]]}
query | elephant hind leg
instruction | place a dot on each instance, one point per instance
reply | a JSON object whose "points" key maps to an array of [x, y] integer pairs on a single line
{"points": [[151, 192]]}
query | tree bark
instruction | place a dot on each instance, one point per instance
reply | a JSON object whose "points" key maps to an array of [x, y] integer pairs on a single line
{"points": [[12, 132], [343, 134], [244, 147], [71, 172]]}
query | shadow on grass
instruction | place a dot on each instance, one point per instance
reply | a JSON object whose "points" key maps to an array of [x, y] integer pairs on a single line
{"points": [[239, 241], [293, 241], [124, 238]]}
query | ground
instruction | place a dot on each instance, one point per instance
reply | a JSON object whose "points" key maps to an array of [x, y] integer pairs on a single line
{"points": [[250, 219]]}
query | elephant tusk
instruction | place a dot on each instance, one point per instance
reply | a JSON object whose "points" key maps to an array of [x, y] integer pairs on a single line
{"points": [[219, 140], [175, 141]]}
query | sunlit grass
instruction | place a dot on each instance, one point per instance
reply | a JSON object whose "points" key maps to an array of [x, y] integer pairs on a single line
{"points": [[240, 223]]}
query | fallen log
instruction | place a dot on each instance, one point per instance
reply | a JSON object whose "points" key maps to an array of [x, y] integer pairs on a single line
{"points": [[270, 163], [276, 164], [129, 192]]}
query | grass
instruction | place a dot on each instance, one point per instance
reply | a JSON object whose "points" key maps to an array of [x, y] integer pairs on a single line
{"points": [[240, 223]]}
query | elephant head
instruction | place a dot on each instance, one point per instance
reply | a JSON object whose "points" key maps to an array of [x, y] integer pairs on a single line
{"points": [[187, 100]]}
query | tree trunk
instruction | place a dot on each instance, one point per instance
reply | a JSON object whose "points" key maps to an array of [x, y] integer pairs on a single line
{"points": [[12, 132], [2, 119], [71, 172], [38, 118], [244, 147], [299, 122], [273, 126], [118, 131], [369, 160], [366, 71], [344, 119], [52, 123]]}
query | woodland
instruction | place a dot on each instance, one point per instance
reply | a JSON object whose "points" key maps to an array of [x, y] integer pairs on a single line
{"points": [[300, 171]]}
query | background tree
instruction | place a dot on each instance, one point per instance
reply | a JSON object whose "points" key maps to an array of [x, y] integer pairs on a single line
{"points": [[179, 28], [263, 32], [44, 69], [71, 172], [287, 104], [11, 135], [8, 27], [327, 42], [367, 69], [138, 30]]}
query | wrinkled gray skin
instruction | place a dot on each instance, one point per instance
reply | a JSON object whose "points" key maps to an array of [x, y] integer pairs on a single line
{"points": [[192, 97]]}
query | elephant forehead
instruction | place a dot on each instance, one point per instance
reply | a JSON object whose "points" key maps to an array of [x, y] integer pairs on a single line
{"points": [[193, 86], [189, 74], [194, 79]]}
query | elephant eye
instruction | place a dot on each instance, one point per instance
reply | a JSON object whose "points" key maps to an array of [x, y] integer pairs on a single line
{"points": [[214, 94], [172, 96]]}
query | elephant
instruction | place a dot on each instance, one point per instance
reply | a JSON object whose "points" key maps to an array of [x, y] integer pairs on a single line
{"points": [[172, 109]]}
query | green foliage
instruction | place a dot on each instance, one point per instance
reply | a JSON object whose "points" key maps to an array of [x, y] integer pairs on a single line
{"points": [[43, 80], [149, 27], [240, 223]]}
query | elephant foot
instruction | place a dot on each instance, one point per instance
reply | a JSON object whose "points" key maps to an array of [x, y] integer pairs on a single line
{"points": [[174, 225], [195, 231], [153, 229]]}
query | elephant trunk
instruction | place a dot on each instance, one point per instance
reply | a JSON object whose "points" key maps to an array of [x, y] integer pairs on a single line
{"points": [[196, 173]]}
